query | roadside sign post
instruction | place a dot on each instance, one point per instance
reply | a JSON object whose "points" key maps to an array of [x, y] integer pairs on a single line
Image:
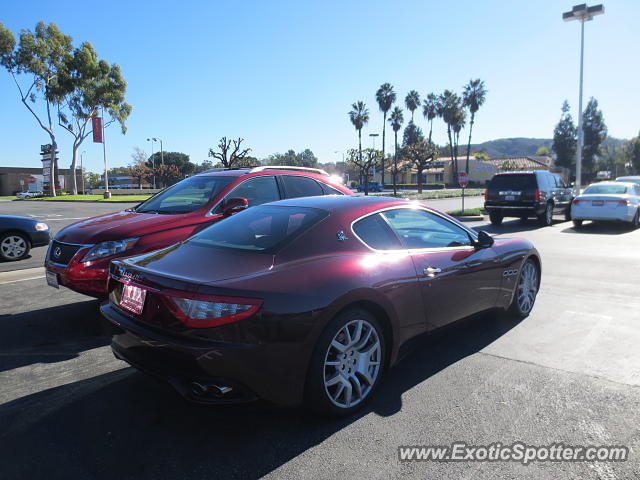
{"points": [[463, 181]]}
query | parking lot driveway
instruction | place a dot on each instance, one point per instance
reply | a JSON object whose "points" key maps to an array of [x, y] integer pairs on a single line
{"points": [[565, 374]]}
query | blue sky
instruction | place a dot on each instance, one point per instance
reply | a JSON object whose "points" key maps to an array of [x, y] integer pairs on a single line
{"points": [[283, 74]]}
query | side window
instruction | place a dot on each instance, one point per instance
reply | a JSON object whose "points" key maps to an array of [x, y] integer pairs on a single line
{"points": [[327, 190], [376, 233], [421, 229], [256, 190], [559, 182], [299, 186]]}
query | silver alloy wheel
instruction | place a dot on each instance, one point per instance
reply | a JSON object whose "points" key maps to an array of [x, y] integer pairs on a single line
{"points": [[527, 287], [352, 363], [13, 246]]}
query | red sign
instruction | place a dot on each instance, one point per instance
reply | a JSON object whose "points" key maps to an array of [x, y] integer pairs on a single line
{"points": [[463, 179], [96, 124], [31, 179]]}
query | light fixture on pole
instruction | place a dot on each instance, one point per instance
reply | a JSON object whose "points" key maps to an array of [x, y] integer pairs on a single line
{"points": [[583, 14], [153, 162]]}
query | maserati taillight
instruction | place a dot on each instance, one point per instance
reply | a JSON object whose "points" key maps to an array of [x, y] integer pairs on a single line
{"points": [[486, 194], [207, 311]]}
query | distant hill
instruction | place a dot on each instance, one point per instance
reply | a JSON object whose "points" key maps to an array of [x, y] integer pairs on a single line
{"points": [[511, 147]]}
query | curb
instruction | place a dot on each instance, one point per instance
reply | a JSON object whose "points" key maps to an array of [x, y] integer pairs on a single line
{"points": [[470, 218]]}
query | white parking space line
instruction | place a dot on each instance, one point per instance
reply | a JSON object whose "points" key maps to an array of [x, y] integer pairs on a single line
{"points": [[21, 275]]}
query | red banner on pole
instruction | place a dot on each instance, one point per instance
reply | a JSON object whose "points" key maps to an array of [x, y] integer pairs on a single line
{"points": [[96, 124]]}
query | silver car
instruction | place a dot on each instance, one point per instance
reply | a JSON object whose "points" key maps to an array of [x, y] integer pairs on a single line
{"points": [[610, 201]]}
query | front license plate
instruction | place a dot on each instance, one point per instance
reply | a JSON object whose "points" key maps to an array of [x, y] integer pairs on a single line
{"points": [[510, 197], [597, 203], [52, 280], [133, 298]]}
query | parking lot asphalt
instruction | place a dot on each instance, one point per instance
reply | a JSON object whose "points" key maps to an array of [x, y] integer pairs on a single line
{"points": [[569, 373]]}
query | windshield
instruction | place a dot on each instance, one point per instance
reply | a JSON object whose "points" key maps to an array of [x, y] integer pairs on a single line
{"points": [[186, 196], [262, 228], [606, 189]]}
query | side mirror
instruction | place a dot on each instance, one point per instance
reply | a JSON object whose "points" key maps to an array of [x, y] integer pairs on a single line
{"points": [[484, 240], [234, 205]]}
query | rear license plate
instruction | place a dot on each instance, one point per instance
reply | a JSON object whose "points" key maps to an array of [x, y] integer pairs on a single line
{"points": [[52, 280], [597, 203], [133, 298], [509, 197]]}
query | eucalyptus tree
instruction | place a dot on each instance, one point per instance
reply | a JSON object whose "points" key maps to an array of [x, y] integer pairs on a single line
{"points": [[365, 163], [231, 154], [412, 101], [473, 98], [41, 56], [386, 97], [420, 154], [396, 119], [359, 116], [90, 84], [430, 109]]}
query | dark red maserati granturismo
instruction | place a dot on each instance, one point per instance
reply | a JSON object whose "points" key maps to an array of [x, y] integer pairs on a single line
{"points": [[309, 299]]}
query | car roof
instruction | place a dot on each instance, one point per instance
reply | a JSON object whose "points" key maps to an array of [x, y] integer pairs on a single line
{"points": [[628, 177], [613, 182], [344, 203]]}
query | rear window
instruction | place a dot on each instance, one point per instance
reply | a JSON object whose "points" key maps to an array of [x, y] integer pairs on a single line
{"points": [[605, 189], [513, 182], [186, 196], [262, 228]]}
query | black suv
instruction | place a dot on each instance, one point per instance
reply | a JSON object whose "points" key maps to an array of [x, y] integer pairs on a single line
{"points": [[537, 193]]}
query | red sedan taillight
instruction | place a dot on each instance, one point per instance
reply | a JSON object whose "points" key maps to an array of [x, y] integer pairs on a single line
{"points": [[576, 201], [618, 202], [486, 194], [206, 311]]}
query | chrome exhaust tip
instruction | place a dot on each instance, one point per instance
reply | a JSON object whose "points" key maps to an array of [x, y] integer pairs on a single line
{"points": [[203, 389]]}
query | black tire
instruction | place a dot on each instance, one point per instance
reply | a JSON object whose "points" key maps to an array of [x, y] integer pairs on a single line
{"points": [[546, 219], [517, 309], [495, 218], [317, 396], [567, 214], [14, 246], [577, 223]]}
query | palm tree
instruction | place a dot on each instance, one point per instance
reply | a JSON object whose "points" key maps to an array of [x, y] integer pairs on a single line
{"points": [[359, 116], [473, 97], [412, 101], [396, 119], [385, 96], [430, 111], [458, 119], [449, 104]]}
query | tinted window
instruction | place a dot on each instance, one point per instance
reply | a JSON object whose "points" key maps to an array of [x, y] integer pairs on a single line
{"points": [[513, 181], [298, 186], [256, 190], [327, 190], [264, 228], [420, 229], [610, 189], [375, 232], [186, 196]]}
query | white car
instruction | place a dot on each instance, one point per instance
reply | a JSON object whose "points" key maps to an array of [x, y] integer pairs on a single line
{"points": [[609, 201], [28, 194]]}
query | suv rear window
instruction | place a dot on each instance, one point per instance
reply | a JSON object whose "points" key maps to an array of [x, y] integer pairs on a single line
{"points": [[513, 181], [265, 228]]}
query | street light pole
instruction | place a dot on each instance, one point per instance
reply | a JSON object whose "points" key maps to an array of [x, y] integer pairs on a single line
{"points": [[373, 137], [161, 149], [153, 163], [583, 14]]}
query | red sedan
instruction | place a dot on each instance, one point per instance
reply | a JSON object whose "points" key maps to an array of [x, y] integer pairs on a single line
{"points": [[79, 255], [308, 300]]}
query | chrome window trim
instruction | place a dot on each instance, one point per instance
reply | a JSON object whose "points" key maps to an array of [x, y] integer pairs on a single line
{"points": [[472, 233]]}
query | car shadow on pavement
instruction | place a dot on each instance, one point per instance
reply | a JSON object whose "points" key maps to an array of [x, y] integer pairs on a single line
{"points": [[51, 334], [124, 424], [599, 228]]}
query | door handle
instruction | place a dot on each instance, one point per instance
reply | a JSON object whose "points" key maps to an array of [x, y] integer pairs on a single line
{"points": [[431, 271]]}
